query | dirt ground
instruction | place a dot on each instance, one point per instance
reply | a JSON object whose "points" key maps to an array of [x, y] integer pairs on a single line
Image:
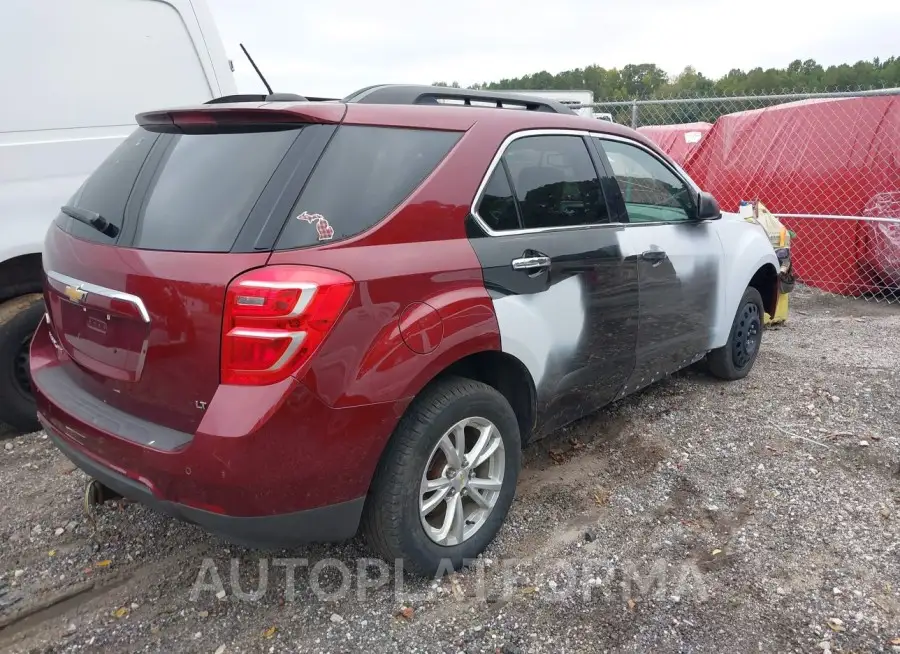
{"points": [[762, 516]]}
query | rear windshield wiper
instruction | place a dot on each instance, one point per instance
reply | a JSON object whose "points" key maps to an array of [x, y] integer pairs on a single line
{"points": [[91, 219]]}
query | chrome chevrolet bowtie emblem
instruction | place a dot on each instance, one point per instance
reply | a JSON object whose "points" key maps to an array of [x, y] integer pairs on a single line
{"points": [[75, 293]]}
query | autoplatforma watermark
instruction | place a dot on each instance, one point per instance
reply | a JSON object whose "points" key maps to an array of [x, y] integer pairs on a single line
{"points": [[553, 580]]}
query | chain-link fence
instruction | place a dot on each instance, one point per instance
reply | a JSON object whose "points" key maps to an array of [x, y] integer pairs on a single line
{"points": [[827, 164]]}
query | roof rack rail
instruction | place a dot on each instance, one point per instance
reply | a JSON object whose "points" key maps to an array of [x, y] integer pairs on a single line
{"points": [[418, 94]]}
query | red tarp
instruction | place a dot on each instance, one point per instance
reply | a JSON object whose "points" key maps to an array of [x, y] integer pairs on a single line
{"points": [[678, 141], [824, 157]]}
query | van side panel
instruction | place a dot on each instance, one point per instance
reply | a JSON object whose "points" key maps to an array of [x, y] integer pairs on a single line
{"points": [[89, 70], [218, 67]]}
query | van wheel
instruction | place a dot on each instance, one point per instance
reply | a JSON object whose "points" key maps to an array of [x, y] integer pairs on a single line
{"points": [[446, 480], [19, 318], [735, 359]]}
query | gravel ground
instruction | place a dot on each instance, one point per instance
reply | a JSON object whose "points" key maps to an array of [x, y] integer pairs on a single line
{"points": [[762, 515]]}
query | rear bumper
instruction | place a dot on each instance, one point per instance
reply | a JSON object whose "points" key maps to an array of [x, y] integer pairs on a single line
{"points": [[267, 466], [323, 524]]}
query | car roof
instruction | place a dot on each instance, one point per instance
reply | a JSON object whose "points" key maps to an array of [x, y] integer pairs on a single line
{"points": [[461, 118], [428, 107], [446, 117]]}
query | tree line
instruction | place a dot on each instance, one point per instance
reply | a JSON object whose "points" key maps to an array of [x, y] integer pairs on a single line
{"points": [[651, 81]]}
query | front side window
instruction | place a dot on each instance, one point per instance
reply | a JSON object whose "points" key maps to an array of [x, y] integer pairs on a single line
{"points": [[652, 192]]}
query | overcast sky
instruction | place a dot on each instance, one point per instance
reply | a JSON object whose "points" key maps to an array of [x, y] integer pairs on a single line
{"points": [[332, 48]]}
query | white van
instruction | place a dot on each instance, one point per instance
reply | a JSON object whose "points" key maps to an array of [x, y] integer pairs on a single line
{"points": [[576, 98], [74, 74]]}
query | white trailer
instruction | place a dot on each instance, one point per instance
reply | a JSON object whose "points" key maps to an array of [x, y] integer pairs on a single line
{"points": [[573, 97]]}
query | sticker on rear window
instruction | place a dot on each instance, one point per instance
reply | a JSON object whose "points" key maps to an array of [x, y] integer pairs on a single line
{"points": [[324, 230]]}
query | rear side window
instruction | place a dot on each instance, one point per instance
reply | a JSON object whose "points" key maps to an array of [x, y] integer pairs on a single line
{"points": [[498, 203], [554, 184], [364, 174]]}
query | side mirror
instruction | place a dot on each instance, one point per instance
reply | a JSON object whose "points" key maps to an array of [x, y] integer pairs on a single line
{"points": [[707, 207]]}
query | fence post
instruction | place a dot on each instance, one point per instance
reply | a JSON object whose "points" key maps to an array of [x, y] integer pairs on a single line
{"points": [[634, 114]]}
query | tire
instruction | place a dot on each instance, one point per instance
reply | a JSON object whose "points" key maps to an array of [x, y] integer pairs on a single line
{"points": [[19, 318], [392, 522], [735, 359]]}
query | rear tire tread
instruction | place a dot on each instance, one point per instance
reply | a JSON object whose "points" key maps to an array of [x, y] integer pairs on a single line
{"points": [[19, 317], [382, 515]]}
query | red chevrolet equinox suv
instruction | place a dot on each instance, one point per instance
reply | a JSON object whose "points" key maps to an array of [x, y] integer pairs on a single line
{"points": [[288, 320]]}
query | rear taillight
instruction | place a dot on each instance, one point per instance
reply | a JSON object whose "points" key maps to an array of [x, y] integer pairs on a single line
{"points": [[276, 318]]}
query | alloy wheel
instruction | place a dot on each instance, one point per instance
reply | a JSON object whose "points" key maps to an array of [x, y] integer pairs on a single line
{"points": [[462, 481]]}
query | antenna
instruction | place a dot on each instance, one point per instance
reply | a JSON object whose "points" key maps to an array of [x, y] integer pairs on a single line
{"points": [[253, 63]]}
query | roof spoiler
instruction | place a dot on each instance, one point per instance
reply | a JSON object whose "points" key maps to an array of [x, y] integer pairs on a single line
{"points": [[271, 97], [230, 119], [407, 94]]}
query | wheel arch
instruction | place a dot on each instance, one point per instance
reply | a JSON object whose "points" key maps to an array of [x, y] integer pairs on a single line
{"points": [[21, 275], [506, 374], [760, 272], [765, 280], [501, 371]]}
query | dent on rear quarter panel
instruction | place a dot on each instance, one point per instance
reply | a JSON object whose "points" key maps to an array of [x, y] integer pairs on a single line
{"points": [[747, 249], [419, 253]]}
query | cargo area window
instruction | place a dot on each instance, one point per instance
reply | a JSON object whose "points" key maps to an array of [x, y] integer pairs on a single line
{"points": [[364, 174]]}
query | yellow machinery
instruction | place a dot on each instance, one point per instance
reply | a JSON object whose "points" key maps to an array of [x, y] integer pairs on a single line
{"points": [[780, 237], [781, 310]]}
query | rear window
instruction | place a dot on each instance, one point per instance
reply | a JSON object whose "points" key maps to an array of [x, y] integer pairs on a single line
{"points": [[195, 190], [364, 174], [204, 188], [106, 191]]}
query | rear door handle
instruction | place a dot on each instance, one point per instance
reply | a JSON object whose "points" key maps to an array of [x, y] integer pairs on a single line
{"points": [[531, 263], [653, 255]]}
